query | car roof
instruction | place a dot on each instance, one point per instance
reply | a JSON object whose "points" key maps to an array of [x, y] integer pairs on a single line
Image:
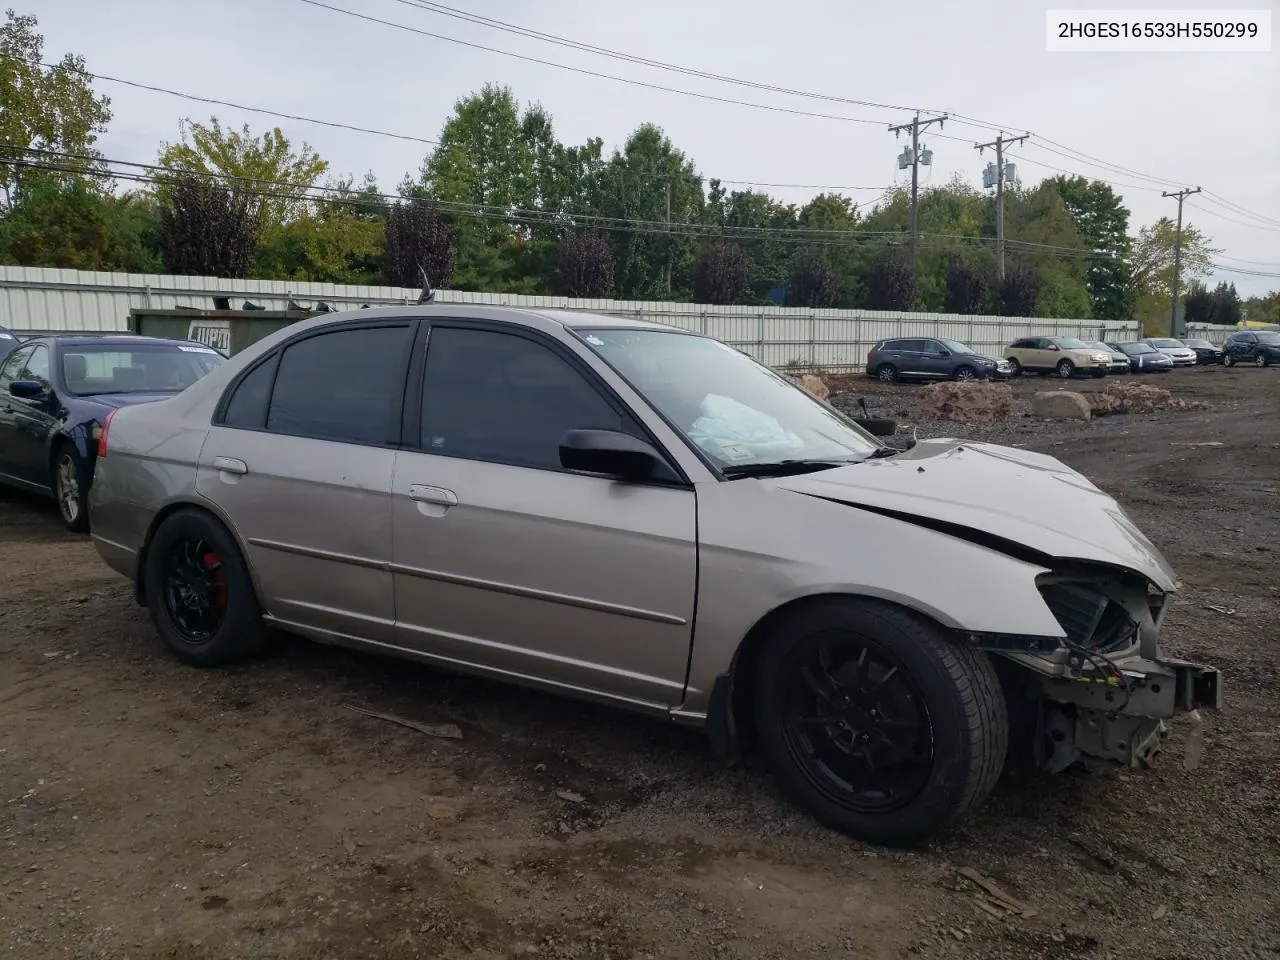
{"points": [[544, 319], [104, 339]]}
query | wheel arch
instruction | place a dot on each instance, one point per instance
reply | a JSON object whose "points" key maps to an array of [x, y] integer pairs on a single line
{"points": [[163, 514], [730, 717]]}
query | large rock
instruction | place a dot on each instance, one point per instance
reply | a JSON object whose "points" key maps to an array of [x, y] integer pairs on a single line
{"points": [[966, 401], [814, 384], [1061, 405]]}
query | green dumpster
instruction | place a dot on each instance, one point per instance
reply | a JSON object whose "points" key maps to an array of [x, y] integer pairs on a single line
{"points": [[228, 331]]}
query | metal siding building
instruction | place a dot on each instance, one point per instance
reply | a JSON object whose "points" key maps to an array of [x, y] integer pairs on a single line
{"points": [[39, 300]]}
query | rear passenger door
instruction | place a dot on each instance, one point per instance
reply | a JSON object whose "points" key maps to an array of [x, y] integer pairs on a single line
{"points": [[300, 460]]}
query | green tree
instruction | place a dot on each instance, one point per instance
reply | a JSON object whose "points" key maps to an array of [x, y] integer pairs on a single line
{"points": [[1019, 292], [68, 223], [891, 281], [839, 214], [208, 228], [43, 108], [337, 240], [1151, 269], [586, 265], [636, 184], [813, 281], [768, 258], [721, 274], [268, 165], [968, 288], [418, 239], [1102, 222]]}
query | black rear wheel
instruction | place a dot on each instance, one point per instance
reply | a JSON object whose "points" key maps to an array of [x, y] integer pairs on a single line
{"points": [[965, 373], [886, 373], [1015, 368], [200, 593], [873, 721]]}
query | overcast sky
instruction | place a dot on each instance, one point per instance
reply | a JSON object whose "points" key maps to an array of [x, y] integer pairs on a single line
{"points": [[1209, 120]]}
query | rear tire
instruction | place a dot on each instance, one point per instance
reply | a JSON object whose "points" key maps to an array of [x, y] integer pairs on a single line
{"points": [[71, 479], [922, 731], [200, 593], [1228, 360], [886, 373], [1260, 360], [1015, 368], [965, 374]]}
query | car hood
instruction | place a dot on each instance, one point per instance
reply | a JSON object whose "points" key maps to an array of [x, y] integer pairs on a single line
{"points": [[1024, 498], [127, 399]]}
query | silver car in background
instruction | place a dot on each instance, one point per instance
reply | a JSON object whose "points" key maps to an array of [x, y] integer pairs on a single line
{"points": [[647, 517], [1175, 350]]}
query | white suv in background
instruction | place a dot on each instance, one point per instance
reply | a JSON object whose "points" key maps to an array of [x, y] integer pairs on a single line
{"points": [[1175, 350]]}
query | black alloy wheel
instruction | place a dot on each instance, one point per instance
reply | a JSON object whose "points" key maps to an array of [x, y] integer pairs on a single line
{"points": [[195, 589]]}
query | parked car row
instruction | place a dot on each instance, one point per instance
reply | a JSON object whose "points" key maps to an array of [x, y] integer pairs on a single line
{"points": [[937, 358]]}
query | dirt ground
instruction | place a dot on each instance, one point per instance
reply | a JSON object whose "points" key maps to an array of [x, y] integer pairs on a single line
{"points": [[149, 810]]}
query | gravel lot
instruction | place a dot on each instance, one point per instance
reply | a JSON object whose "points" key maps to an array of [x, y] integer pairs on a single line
{"points": [[148, 810]]}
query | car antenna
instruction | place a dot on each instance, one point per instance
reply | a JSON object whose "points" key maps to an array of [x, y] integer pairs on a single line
{"points": [[427, 294]]}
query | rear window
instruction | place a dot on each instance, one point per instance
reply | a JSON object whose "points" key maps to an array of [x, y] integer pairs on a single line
{"points": [[94, 369]]}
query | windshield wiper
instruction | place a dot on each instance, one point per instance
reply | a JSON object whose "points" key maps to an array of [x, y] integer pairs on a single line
{"points": [[784, 468]]}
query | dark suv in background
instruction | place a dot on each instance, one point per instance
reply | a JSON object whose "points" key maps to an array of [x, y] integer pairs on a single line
{"points": [[929, 358], [8, 342], [1259, 347]]}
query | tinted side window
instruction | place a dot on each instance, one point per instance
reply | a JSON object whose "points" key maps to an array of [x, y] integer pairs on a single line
{"points": [[345, 386], [1022, 344], [247, 407], [37, 367], [504, 398], [15, 362]]}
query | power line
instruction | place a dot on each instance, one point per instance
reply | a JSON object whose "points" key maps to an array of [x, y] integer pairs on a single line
{"points": [[438, 8], [1243, 223], [156, 175], [585, 72]]}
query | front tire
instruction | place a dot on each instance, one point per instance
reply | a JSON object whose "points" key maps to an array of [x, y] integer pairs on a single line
{"points": [[200, 593], [71, 479], [876, 724]]}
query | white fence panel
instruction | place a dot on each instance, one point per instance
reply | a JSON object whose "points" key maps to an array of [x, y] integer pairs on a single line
{"points": [[38, 299]]}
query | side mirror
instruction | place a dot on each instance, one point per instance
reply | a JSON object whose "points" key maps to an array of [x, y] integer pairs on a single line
{"points": [[611, 453], [1054, 346], [27, 389]]}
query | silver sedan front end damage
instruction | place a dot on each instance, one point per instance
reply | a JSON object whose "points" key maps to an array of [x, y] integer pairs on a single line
{"points": [[1103, 693]]}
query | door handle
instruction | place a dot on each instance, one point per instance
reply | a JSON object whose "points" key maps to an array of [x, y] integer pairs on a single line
{"points": [[230, 465], [437, 495]]}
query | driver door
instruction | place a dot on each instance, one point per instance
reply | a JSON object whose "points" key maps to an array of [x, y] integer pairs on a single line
{"points": [[508, 563]]}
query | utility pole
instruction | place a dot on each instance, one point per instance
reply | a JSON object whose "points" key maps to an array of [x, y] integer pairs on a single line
{"points": [[668, 231], [999, 143], [915, 126], [1177, 257]]}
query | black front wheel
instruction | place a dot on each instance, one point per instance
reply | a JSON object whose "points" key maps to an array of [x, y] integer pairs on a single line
{"points": [[200, 593], [871, 719]]}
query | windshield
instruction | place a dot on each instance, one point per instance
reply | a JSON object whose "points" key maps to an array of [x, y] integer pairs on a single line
{"points": [[1098, 345], [1166, 343], [737, 411], [955, 346], [1139, 348], [91, 369], [1268, 336], [1070, 343], [1202, 344]]}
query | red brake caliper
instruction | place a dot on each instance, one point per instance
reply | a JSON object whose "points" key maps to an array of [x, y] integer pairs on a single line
{"points": [[219, 579]]}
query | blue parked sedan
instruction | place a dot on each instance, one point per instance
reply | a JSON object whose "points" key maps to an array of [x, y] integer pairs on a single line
{"points": [[55, 392]]}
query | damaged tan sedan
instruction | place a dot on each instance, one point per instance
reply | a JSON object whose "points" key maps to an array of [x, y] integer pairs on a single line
{"points": [[647, 517]]}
